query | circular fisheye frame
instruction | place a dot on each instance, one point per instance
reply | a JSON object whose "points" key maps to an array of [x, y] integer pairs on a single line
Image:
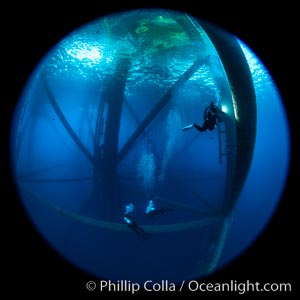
{"points": [[143, 147]]}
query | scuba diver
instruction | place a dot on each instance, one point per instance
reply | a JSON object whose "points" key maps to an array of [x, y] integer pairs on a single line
{"points": [[211, 116], [151, 211], [128, 219]]}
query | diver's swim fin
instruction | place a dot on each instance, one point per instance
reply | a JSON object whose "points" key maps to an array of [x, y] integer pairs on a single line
{"points": [[188, 127]]}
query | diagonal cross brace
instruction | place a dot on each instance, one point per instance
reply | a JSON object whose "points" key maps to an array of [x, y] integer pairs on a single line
{"points": [[159, 106], [66, 123]]}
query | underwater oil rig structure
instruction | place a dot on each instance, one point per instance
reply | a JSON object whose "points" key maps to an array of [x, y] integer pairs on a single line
{"points": [[81, 152]]}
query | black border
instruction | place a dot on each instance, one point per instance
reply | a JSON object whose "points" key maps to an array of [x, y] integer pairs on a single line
{"points": [[30, 29]]}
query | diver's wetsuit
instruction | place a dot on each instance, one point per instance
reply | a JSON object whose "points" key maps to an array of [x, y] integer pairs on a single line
{"points": [[158, 211], [132, 225], [151, 211], [210, 117]]}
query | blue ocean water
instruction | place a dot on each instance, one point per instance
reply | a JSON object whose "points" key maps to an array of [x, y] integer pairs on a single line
{"points": [[63, 127]]}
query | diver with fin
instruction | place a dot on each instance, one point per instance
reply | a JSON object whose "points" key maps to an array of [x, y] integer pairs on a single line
{"points": [[152, 211], [129, 220], [211, 115]]}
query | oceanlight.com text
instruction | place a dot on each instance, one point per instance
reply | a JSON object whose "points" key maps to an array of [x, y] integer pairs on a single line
{"points": [[239, 287], [192, 286]]}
